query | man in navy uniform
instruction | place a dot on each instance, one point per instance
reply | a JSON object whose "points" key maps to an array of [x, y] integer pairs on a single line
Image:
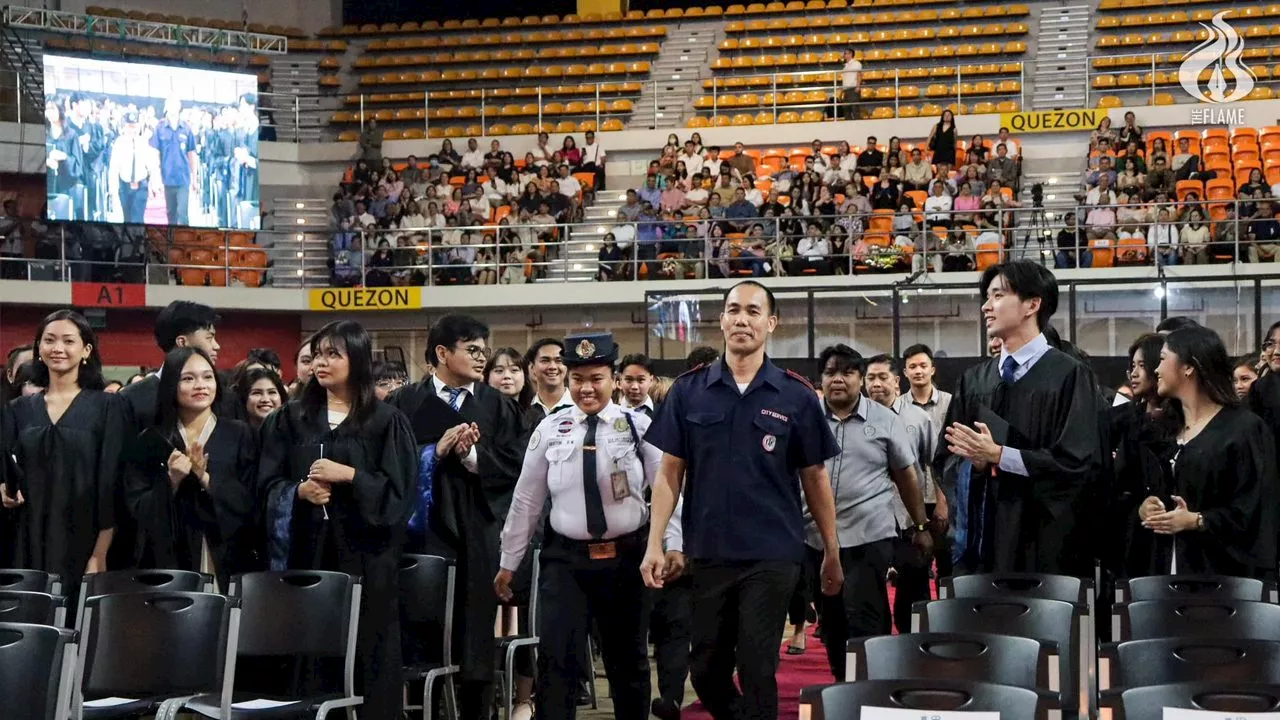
{"points": [[591, 461], [742, 430]]}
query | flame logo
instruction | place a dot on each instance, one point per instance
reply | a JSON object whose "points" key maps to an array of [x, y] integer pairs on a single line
{"points": [[1220, 54]]}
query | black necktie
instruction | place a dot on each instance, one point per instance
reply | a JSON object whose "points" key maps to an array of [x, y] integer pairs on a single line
{"points": [[596, 524], [648, 411]]}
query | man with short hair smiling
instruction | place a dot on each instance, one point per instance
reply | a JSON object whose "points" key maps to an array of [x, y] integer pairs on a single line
{"points": [[1028, 421], [875, 456], [636, 380], [546, 367], [477, 439], [925, 395]]}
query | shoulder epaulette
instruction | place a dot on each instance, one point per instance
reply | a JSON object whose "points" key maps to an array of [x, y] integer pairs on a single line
{"points": [[692, 370], [797, 376]]}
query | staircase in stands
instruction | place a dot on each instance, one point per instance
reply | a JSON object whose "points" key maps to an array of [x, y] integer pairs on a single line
{"points": [[295, 80], [1061, 58], [23, 56], [581, 256], [300, 251], [676, 76]]}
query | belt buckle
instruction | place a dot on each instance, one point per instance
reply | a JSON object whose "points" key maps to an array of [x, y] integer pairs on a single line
{"points": [[602, 550]]}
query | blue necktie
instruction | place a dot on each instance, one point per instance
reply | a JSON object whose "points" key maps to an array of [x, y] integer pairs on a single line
{"points": [[1007, 369], [456, 396]]}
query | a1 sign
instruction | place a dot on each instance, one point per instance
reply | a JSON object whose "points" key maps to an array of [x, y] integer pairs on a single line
{"points": [[1181, 714], [875, 713], [113, 295]]}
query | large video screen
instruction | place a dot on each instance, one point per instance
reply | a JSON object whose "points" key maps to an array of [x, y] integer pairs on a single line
{"points": [[150, 144]]}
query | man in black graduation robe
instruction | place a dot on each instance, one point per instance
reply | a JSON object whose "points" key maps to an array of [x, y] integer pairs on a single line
{"points": [[180, 324], [480, 444], [1028, 421]]}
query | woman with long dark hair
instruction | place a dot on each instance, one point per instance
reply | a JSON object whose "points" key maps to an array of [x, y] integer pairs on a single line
{"points": [[338, 472], [508, 373], [1142, 438], [67, 441], [190, 481], [1221, 512]]}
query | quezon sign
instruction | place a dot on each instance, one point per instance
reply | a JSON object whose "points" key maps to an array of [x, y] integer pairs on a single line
{"points": [[356, 299], [1052, 120]]}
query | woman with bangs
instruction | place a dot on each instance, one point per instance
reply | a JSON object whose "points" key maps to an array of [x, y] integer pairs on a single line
{"points": [[338, 471]]}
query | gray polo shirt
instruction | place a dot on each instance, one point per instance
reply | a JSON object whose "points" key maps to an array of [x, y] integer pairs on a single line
{"points": [[923, 439], [872, 440], [937, 406]]}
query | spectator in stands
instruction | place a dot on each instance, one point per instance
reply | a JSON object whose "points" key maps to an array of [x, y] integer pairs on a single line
{"points": [[690, 157], [1228, 239], [937, 208], [673, 198], [650, 193], [750, 191], [370, 142], [1186, 164], [850, 81], [715, 207], [449, 158], [1133, 153], [740, 210], [593, 159], [610, 258], [1194, 238], [1071, 242], [698, 195], [472, 159], [392, 183], [1162, 238], [973, 178], [918, 174], [1130, 180], [942, 175], [1264, 233], [493, 158], [1100, 223], [965, 206], [363, 217], [740, 163], [344, 255], [1159, 179], [1130, 132], [379, 266], [942, 140], [630, 210], [542, 152], [1101, 193], [871, 159], [956, 252], [1131, 217], [1105, 151], [884, 196], [1104, 169], [1102, 133], [1013, 147], [976, 154]]}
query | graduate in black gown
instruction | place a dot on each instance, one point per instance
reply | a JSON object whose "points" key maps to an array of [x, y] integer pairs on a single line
{"points": [[479, 445], [181, 323], [1222, 510], [67, 441], [189, 482], [1142, 433], [1029, 421], [337, 472]]}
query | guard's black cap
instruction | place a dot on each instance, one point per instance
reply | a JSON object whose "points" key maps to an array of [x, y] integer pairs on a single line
{"points": [[590, 349]]}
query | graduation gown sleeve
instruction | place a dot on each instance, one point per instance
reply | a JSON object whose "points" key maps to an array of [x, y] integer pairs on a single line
{"points": [[1061, 470], [384, 492], [499, 458], [111, 460]]}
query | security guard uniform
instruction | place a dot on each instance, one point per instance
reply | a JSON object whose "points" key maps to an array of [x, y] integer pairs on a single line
{"points": [[595, 469]]}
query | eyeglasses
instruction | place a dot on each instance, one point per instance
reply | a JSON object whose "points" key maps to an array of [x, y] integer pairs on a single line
{"points": [[475, 352], [1268, 344]]}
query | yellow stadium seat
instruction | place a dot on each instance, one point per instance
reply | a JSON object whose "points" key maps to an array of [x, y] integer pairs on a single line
{"points": [[611, 125], [698, 121], [348, 136], [1109, 101]]}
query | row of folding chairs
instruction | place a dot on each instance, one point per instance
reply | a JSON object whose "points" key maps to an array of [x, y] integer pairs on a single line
{"points": [[144, 648]]}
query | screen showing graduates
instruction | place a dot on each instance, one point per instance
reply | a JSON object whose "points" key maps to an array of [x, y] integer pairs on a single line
{"points": [[150, 144]]}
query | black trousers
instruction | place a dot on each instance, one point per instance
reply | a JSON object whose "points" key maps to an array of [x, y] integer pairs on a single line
{"points": [[670, 630], [611, 591], [913, 581], [941, 548], [862, 607], [739, 611]]}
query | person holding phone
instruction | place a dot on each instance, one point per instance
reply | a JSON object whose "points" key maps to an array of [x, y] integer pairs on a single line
{"points": [[338, 471], [190, 483], [67, 440]]}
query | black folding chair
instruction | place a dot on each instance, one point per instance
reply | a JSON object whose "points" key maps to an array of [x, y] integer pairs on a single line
{"points": [[426, 627], [37, 608], [1163, 661], [293, 614], [131, 581], [33, 580], [145, 648], [37, 667], [1052, 622], [973, 657], [844, 701], [1236, 619], [1191, 587], [1148, 703], [527, 637]]}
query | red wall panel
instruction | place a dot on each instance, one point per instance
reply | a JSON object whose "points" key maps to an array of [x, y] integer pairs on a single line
{"points": [[129, 338]]}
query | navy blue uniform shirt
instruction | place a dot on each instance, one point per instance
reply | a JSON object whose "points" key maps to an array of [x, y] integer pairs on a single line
{"points": [[174, 144], [743, 452]]}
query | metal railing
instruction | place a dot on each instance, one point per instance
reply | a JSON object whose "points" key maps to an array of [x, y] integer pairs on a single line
{"points": [[564, 252], [1147, 72]]}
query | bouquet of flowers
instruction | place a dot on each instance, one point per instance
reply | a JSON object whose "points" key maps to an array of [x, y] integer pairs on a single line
{"points": [[886, 258]]}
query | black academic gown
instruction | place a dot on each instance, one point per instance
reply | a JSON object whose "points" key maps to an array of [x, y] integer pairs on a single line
{"points": [[363, 535], [1032, 524], [1226, 473], [468, 510], [173, 525], [1143, 448], [70, 479]]}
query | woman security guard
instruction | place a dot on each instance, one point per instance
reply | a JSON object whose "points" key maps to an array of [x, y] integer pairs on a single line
{"points": [[591, 461]]}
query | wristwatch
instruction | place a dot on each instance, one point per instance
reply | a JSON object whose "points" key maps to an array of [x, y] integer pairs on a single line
{"points": [[921, 527], [1199, 521]]}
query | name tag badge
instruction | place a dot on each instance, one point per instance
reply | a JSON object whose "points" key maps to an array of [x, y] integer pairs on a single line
{"points": [[769, 443], [602, 551], [621, 488]]}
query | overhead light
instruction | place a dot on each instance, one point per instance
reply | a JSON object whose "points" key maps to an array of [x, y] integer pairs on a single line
{"points": [[301, 237], [613, 213], [1053, 181], [300, 205], [1158, 292], [590, 247], [577, 266], [601, 229], [299, 272], [301, 254], [623, 196], [301, 221]]}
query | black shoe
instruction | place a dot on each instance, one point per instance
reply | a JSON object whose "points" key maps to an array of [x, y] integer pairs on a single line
{"points": [[584, 694], [664, 709]]}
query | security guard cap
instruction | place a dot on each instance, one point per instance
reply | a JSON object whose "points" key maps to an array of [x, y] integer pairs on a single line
{"points": [[590, 349]]}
